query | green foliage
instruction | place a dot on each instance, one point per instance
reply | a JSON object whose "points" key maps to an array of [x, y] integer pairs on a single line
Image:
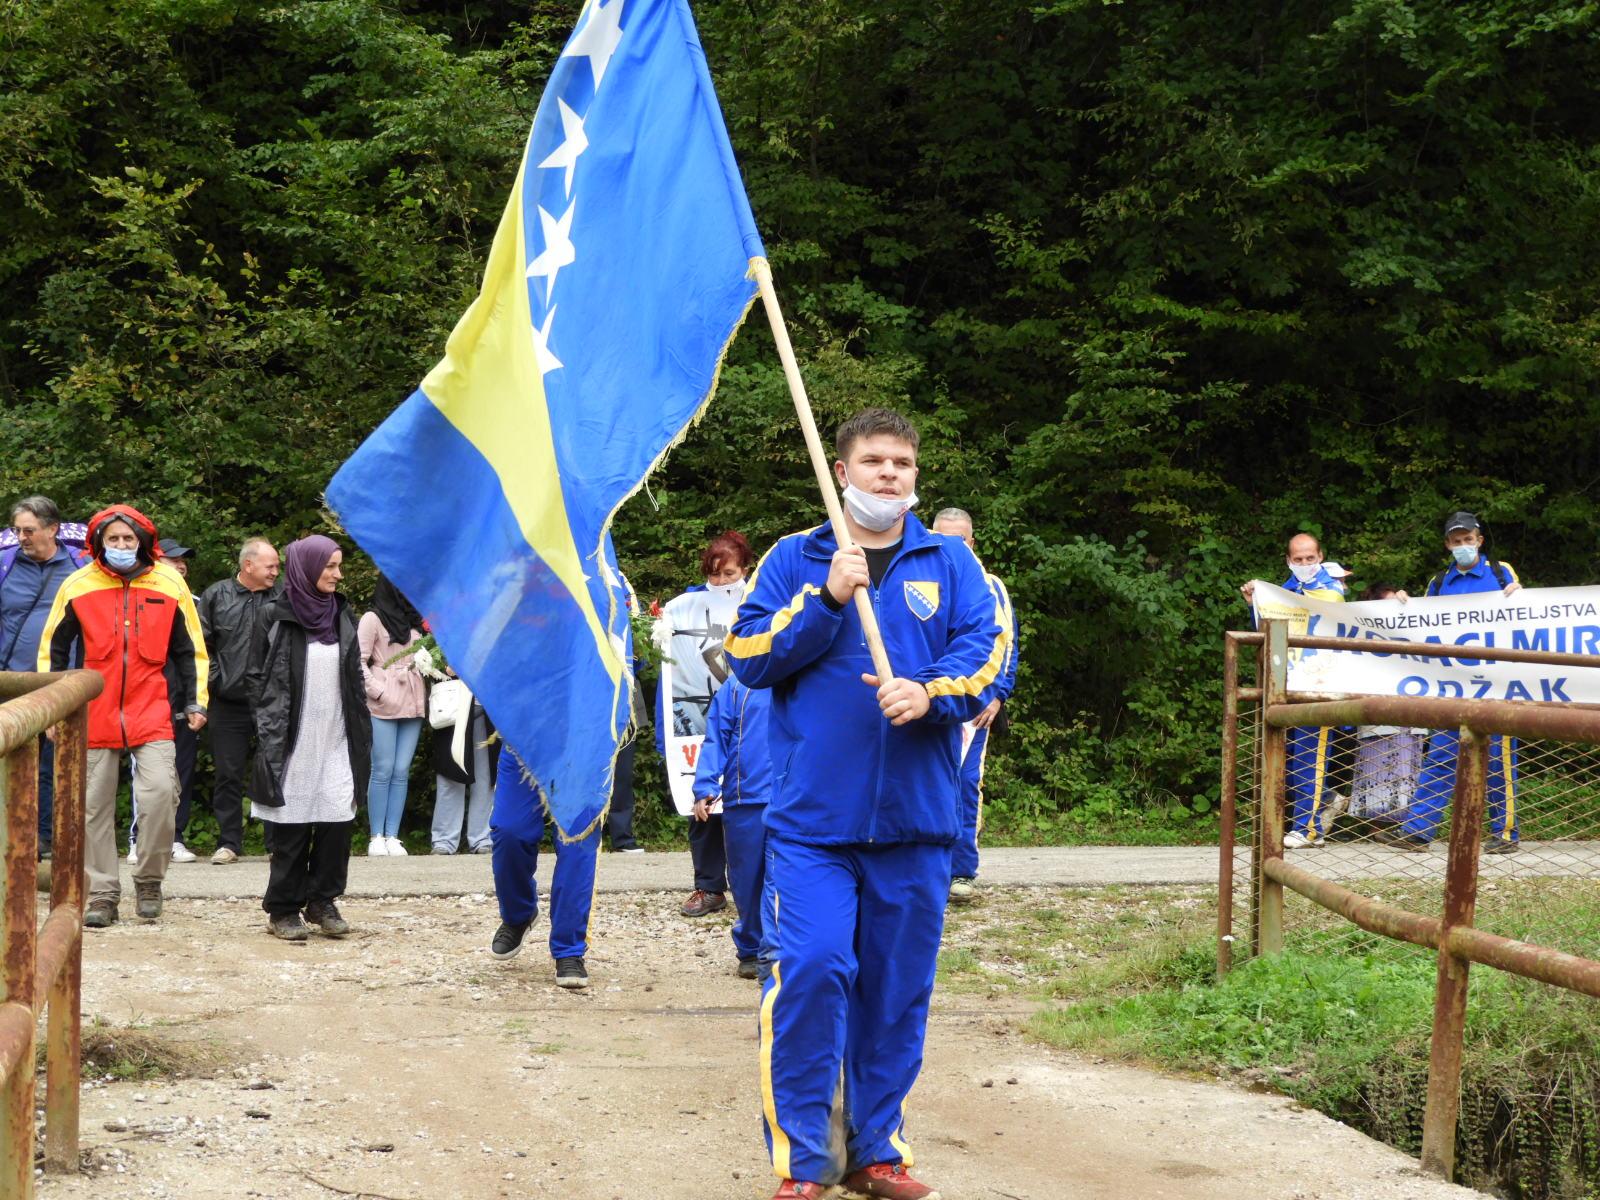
{"points": [[1162, 283]]}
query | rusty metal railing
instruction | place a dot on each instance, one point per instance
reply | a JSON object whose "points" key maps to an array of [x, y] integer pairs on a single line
{"points": [[1451, 934], [43, 966]]}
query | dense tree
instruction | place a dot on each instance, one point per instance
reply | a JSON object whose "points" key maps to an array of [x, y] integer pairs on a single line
{"points": [[1163, 282]]}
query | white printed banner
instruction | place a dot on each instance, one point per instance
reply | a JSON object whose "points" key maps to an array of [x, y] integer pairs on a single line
{"points": [[1564, 620], [690, 631]]}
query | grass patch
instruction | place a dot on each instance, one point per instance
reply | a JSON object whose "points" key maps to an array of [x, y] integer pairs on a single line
{"points": [[1348, 1034], [128, 1053]]}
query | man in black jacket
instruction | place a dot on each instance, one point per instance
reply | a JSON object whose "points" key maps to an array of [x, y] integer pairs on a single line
{"points": [[228, 611]]}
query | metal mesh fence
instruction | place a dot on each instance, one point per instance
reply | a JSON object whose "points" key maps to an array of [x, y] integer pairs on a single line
{"points": [[1369, 807]]}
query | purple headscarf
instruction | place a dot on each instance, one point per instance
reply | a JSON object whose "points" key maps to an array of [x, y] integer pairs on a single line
{"points": [[303, 563]]}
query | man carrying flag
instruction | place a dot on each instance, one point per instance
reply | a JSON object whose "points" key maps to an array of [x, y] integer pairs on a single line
{"points": [[865, 806]]}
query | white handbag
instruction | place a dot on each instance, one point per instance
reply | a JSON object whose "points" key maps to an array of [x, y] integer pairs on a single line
{"points": [[445, 703]]}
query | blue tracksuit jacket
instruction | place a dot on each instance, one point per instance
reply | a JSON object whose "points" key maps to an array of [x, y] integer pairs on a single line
{"points": [[736, 764], [964, 860], [843, 774], [736, 759]]}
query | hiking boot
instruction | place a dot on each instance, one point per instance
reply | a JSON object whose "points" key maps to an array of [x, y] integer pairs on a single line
{"points": [[224, 856], [888, 1181], [962, 889], [101, 914], [508, 939], [287, 926], [570, 973], [147, 898], [797, 1189], [323, 916], [700, 903], [1401, 840], [1500, 845], [748, 968]]}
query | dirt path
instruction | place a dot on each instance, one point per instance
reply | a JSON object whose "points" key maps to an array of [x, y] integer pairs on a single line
{"points": [[404, 1062]]}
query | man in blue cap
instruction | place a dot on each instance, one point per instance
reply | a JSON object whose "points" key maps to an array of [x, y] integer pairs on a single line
{"points": [[1471, 570]]}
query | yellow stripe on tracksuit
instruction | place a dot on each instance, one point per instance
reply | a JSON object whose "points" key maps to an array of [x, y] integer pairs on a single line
{"points": [[1319, 772], [769, 1101], [1508, 829], [761, 643], [898, 1141], [972, 685]]}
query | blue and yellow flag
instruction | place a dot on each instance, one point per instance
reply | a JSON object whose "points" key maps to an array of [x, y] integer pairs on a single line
{"points": [[620, 272]]}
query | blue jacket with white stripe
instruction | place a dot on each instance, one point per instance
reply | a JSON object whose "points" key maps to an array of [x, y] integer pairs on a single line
{"points": [[842, 775]]}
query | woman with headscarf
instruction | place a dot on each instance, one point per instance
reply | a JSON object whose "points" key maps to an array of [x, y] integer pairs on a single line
{"points": [[397, 698], [314, 739]]}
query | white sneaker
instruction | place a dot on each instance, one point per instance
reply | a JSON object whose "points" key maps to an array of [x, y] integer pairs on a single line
{"points": [[378, 847], [1295, 840], [397, 848], [181, 853], [133, 853]]}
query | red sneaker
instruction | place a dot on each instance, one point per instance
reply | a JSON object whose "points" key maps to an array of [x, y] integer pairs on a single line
{"points": [[886, 1181], [799, 1189]]}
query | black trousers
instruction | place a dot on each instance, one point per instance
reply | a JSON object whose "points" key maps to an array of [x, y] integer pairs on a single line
{"points": [[709, 854], [619, 823], [309, 862], [231, 729]]}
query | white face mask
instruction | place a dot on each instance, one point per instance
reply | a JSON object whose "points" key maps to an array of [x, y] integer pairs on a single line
{"points": [[734, 590], [877, 513], [1305, 572]]}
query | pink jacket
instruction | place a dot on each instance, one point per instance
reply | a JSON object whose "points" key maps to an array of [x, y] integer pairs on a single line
{"points": [[396, 692]]}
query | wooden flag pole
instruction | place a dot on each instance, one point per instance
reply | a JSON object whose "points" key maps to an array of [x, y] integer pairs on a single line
{"points": [[819, 461]]}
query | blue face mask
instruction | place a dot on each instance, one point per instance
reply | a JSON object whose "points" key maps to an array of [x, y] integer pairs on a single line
{"points": [[1465, 556], [122, 560]]}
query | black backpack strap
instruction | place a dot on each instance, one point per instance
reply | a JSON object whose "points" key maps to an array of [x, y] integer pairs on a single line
{"points": [[1501, 575]]}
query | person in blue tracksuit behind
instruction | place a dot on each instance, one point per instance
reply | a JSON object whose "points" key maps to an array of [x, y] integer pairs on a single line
{"points": [[957, 522], [516, 827], [865, 807], [1315, 806], [1470, 570], [735, 766]]}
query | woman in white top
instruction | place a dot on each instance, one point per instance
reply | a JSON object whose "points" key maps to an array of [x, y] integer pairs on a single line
{"points": [[314, 740]]}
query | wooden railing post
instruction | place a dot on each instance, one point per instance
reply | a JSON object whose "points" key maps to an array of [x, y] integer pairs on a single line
{"points": [[68, 886], [1450, 983], [18, 923], [1272, 784], [1229, 804]]}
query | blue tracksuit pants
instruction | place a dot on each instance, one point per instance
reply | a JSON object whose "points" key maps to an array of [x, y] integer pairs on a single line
{"points": [[516, 826], [964, 856], [1308, 778], [744, 835], [854, 938], [1437, 783]]}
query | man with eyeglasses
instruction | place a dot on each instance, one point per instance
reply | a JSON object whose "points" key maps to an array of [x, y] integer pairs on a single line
{"points": [[31, 572]]}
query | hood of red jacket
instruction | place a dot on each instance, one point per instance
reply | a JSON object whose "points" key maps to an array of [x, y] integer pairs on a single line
{"points": [[143, 527]]}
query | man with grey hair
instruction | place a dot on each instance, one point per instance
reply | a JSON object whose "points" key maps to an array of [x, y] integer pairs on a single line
{"points": [[31, 572], [228, 611], [957, 522]]}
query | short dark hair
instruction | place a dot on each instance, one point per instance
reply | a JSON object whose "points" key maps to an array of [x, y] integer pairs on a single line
{"points": [[870, 422], [43, 509]]}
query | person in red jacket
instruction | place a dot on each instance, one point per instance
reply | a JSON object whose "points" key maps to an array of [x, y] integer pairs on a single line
{"points": [[131, 613]]}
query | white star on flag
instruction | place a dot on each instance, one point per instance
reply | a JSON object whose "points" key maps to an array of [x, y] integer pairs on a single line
{"points": [[541, 345], [566, 154], [558, 248], [598, 39]]}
